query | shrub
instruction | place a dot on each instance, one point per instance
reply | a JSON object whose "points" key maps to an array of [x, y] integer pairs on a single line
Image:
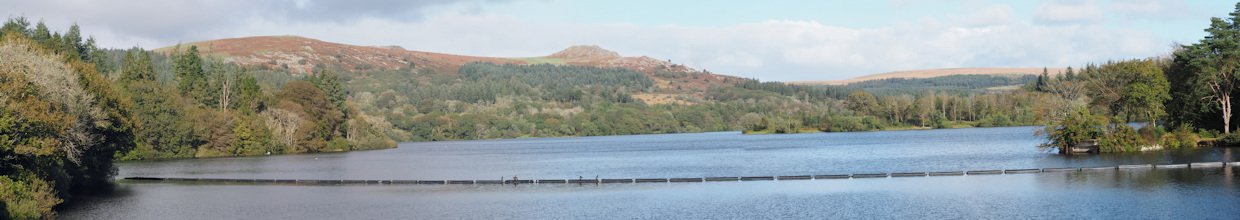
{"points": [[32, 199], [785, 126], [871, 123], [1121, 138], [938, 121], [1002, 121], [847, 123], [1207, 133], [1170, 141], [985, 122], [994, 121], [1076, 126], [1232, 139], [1185, 135], [1151, 133], [669, 74], [1189, 140], [752, 122], [338, 144]]}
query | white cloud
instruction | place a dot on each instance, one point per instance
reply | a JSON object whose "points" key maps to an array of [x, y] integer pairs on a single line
{"points": [[1068, 12], [1154, 9], [195, 19]]}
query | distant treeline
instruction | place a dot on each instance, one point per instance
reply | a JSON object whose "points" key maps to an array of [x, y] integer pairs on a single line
{"points": [[950, 84], [558, 76], [962, 81], [753, 88]]}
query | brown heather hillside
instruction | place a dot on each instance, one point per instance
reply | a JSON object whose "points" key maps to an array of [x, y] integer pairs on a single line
{"points": [[277, 51], [928, 73], [290, 50]]}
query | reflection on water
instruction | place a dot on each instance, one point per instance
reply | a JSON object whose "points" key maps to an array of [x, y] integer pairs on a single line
{"points": [[1121, 194], [1126, 193], [1229, 175], [672, 156]]}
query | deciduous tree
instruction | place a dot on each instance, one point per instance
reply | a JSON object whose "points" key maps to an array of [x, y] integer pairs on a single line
{"points": [[861, 102]]}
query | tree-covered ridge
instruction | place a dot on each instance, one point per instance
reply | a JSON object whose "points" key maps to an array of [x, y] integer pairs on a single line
{"points": [[509, 101], [952, 83], [487, 100], [565, 76]]}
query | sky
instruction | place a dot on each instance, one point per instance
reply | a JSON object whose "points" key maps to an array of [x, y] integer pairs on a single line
{"points": [[777, 40]]}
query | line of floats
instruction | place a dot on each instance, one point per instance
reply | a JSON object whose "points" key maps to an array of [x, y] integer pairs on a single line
{"points": [[706, 179]]}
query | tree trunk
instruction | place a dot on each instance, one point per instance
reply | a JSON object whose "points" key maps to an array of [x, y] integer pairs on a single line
{"points": [[224, 92], [1225, 101], [1222, 93]]}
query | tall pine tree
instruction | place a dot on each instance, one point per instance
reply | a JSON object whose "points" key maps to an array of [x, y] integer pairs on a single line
{"points": [[1213, 64], [1042, 81], [1069, 75], [329, 82], [193, 80]]}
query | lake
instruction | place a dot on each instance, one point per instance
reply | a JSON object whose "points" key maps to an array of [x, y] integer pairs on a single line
{"points": [[1126, 194]]}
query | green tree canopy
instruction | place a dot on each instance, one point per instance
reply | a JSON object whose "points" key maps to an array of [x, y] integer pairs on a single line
{"points": [[1213, 62], [193, 79], [329, 82], [1132, 89]]}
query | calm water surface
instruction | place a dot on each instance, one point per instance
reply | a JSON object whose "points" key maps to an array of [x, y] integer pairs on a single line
{"points": [[1210, 193]]}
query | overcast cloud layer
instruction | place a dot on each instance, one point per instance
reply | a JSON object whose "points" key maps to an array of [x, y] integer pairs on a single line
{"points": [[1054, 33]]}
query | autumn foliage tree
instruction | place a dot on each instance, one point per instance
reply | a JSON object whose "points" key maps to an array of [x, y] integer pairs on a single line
{"points": [[317, 108], [61, 123], [861, 102]]}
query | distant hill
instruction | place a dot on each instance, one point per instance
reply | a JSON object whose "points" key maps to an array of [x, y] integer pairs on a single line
{"points": [[300, 55], [929, 73]]}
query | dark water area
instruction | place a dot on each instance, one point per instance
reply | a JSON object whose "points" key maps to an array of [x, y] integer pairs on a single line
{"points": [[1196, 193]]}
